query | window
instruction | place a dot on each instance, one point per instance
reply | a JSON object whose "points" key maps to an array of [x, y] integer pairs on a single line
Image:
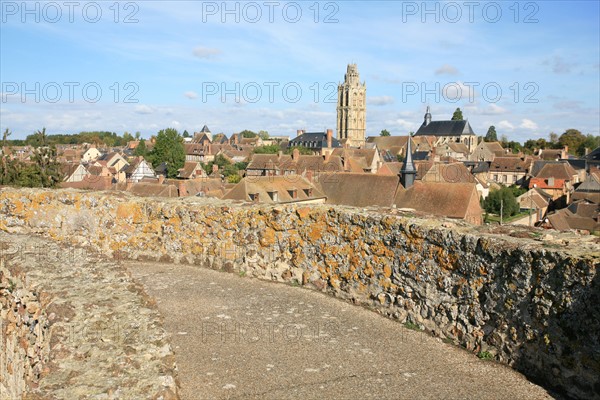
{"points": [[254, 197], [274, 195], [293, 193]]}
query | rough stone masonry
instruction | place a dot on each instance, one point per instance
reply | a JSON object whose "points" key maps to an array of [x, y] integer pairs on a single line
{"points": [[529, 299]]}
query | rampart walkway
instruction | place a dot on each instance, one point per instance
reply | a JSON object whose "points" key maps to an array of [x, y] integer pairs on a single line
{"points": [[240, 338]]}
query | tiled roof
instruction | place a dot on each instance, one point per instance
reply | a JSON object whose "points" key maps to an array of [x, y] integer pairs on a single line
{"points": [[557, 171], [443, 199], [358, 190], [266, 186]]}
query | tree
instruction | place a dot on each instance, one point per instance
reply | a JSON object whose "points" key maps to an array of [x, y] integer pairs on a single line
{"points": [[591, 142], [127, 137], [247, 134], [138, 135], [384, 132], [553, 138], [491, 135], [264, 135], [141, 149], [457, 116], [504, 198], [271, 149], [186, 134], [504, 140], [169, 149], [5, 136], [571, 138]]}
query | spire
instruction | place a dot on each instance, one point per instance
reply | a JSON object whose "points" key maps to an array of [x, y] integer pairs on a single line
{"points": [[408, 171], [427, 117]]}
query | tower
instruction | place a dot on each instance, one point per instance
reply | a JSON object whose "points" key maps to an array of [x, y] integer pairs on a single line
{"points": [[408, 171], [352, 109]]}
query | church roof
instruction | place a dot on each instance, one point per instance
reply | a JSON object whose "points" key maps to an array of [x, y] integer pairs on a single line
{"points": [[445, 128]]}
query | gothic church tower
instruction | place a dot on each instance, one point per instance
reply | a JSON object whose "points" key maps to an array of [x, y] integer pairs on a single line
{"points": [[352, 109]]}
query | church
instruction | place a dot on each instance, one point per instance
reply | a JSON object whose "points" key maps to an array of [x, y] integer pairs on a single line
{"points": [[448, 132]]}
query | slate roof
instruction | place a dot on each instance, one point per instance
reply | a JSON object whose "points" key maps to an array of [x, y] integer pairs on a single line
{"points": [[445, 128], [313, 140], [594, 155]]}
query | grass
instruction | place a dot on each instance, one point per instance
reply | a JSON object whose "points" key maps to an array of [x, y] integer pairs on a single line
{"points": [[485, 355], [505, 220], [412, 326], [242, 274]]}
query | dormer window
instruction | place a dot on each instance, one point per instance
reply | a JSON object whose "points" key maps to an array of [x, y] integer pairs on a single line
{"points": [[293, 193], [253, 197], [274, 195]]}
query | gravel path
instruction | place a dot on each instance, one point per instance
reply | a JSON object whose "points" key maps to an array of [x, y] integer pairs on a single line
{"points": [[241, 338]]}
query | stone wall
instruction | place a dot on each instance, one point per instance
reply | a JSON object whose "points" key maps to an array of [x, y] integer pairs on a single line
{"points": [[529, 299], [24, 333]]}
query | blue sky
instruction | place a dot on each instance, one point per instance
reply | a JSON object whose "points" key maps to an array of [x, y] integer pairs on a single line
{"points": [[529, 68]]}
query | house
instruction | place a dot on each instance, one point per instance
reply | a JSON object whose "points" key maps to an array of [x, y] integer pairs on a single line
{"points": [[448, 132], [344, 188], [295, 164], [318, 142], [359, 160], [456, 151], [553, 154], [91, 154], [487, 151], [194, 151], [114, 160], [590, 188], [452, 200], [192, 170], [73, 172], [536, 201], [509, 170], [139, 169], [275, 189], [579, 215]]}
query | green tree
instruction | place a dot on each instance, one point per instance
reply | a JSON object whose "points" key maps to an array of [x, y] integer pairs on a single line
{"points": [[572, 138], [141, 149], [247, 134], [553, 138], [186, 134], [457, 116], [138, 135], [591, 142], [301, 149], [271, 149], [515, 147], [504, 198], [169, 149], [5, 136], [384, 132], [491, 135], [264, 135]]}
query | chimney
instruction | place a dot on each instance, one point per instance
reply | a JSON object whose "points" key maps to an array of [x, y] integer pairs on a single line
{"points": [[161, 179], [327, 156], [329, 138], [299, 132], [295, 154], [309, 175], [182, 189]]}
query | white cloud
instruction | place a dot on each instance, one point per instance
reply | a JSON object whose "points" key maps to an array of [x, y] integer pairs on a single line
{"points": [[380, 100], [205, 52], [505, 125], [559, 65], [528, 124], [457, 91], [446, 69], [191, 95], [144, 109]]}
